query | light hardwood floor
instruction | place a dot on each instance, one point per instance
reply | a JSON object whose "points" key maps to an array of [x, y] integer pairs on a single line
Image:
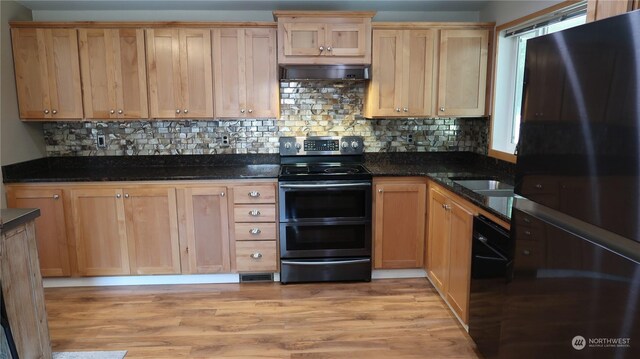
{"points": [[392, 318]]}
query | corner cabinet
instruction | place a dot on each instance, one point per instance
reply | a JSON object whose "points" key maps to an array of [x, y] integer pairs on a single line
{"points": [[47, 73], [399, 222], [179, 73], [114, 77], [306, 37], [245, 73], [462, 80], [402, 74]]}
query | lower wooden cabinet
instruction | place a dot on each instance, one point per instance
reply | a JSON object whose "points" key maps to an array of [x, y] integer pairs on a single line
{"points": [[256, 256], [51, 229], [399, 219], [449, 249]]}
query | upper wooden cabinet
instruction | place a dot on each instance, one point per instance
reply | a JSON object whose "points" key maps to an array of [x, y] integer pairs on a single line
{"points": [[324, 37], [245, 73], [462, 82], [47, 73], [402, 74], [114, 78], [602, 9], [179, 70], [399, 218]]}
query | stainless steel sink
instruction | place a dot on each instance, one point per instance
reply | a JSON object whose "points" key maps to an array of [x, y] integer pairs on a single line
{"points": [[489, 188]]}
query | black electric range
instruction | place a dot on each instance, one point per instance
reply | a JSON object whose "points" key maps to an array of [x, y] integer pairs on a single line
{"points": [[324, 210]]}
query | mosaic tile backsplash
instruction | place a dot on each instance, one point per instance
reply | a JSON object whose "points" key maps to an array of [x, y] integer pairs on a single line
{"points": [[307, 108]]}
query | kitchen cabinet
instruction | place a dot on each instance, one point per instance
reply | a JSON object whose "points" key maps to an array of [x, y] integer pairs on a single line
{"points": [[245, 73], [449, 249], [47, 73], [255, 225], [602, 9], [203, 213], [114, 77], [22, 292], [462, 80], [399, 222], [324, 37], [179, 73], [51, 229], [402, 74]]}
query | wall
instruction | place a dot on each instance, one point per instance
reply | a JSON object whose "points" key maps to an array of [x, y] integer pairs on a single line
{"points": [[502, 12], [307, 108], [18, 141]]}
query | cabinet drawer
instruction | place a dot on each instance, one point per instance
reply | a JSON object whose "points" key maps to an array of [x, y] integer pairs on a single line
{"points": [[254, 194], [529, 255], [255, 213], [246, 231], [256, 256]]}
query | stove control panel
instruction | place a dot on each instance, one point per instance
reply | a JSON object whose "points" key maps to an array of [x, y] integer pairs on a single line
{"points": [[321, 145]]}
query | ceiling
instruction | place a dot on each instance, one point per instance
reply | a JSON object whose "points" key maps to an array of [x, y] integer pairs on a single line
{"points": [[259, 5]]}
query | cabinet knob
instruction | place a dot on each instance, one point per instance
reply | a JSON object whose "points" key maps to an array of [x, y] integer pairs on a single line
{"points": [[221, 194], [118, 195], [126, 195], [329, 48], [526, 252], [54, 111], [255, 231], [256, 255], [321, 48], [441, 109], [538, 186], [185, 110], [254, 194], [250, 111], [397, 109], [254, 213], [242, 110], [406, 109], [178, 111], [56, 196], [46, 112], [112, 112], [380, 190], [120, 112]]}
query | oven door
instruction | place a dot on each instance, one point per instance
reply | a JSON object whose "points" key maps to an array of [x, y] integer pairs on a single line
{"points": [[325, 239], [328, 201]]}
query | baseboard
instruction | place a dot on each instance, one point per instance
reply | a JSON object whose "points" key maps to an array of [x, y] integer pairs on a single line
{"points": [[141, 280], [398, 273]]}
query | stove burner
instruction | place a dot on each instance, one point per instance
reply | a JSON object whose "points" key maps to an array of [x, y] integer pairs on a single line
{"points": [[347, 170]]}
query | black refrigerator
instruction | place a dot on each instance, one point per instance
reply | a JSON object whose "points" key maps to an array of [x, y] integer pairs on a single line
{"points": [[574, 283]]}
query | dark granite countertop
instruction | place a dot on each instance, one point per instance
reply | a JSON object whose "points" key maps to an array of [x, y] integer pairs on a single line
{"points": [[441, 167], [12, 217]]}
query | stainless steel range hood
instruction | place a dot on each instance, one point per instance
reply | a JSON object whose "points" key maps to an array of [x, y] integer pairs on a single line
{"points": [[325, 72]]}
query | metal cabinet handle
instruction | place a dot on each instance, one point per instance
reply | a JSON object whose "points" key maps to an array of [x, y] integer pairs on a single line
{"points": [[118, 195], [254, 213], [112, 112], [329, 48], [406, 109], [526, 220], [397, 109], [185, 110], [526, 252], [528, 233], [538, 186], [255, 231], [54, 111], [321, 48], [56, 196], [221, 194], [242, 110], [120, 112], [178, 111], [250, 111], [46, 112], [442, 109], [126, 195], [254, 194], [256, 255]]}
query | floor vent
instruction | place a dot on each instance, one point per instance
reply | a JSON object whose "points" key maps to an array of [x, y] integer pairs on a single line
{"points": [[256, 277]]}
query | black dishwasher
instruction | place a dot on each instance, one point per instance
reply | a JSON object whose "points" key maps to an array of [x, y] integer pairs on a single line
{"points": [[491, 258]]}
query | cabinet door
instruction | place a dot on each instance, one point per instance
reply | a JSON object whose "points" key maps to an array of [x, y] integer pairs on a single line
{"points": [[418, 73], [152, 230], [131, 75], [346, 39], [22, 293], [461, 224], [399, 225], [51, 231], [303, 39], [163, 68], [30, 62], [100, 231], [261, 76], [196, 75], [229, 70], [463, 72], [98, 73], [602, 9], [206, 221], [385, 90], [438, 240], [64, 73]]}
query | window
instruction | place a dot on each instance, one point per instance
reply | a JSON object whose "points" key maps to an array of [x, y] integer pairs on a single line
{"points": [[509, 80]]}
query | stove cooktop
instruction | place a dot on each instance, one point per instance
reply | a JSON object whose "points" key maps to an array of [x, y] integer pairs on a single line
{"points": [[324, 171]]}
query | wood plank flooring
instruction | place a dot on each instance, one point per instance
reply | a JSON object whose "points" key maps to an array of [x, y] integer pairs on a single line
{"points": [[391, 318]]}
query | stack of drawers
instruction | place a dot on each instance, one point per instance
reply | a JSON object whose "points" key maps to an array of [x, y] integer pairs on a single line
{"points": [[255, 226]]}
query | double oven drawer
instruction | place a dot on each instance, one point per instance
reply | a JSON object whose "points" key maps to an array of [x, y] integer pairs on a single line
{"points": [[255, 228]]}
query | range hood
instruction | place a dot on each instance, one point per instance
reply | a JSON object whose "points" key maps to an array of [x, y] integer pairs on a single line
{"points": [[324, 72]]}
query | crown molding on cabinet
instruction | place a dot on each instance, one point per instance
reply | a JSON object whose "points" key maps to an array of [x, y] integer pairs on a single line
{"points": [[144, 24]]}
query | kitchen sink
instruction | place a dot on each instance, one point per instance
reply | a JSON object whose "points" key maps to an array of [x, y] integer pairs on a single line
{"points": [[489, 188]]}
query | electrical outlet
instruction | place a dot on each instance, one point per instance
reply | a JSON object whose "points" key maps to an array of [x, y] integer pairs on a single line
{"points": [[225, 141], [101, 141], [410, 138]]}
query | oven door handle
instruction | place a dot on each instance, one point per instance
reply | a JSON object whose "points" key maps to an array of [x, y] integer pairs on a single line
{"points": [[331, 262], [326, 185]]}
